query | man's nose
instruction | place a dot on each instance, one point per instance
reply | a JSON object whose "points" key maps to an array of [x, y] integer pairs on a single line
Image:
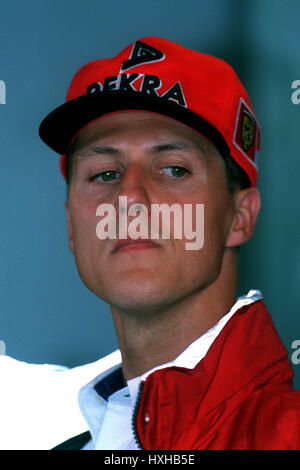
{"points": [[135, 186]]}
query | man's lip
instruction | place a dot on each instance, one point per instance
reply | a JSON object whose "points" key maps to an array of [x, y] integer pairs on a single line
{"points": [[139, 243]]}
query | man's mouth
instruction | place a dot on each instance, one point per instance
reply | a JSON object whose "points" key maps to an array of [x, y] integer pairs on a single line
{"points": [[129, 244]]}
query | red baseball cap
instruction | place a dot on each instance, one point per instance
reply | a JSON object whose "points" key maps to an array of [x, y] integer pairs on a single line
{"points": [[154, 74]]}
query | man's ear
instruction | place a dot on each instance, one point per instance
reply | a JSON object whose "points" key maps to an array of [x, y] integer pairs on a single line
{"points": [[247, 205], [70, 226]]}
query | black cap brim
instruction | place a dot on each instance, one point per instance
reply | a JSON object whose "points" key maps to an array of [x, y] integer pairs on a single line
{"points": [[60, 126]]}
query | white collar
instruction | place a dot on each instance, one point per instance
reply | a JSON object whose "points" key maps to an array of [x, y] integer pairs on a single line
{"points": [[89, 400], [193, 354]]}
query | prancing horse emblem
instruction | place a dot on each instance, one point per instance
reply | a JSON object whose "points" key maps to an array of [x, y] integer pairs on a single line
{"points": [[248, 127]]}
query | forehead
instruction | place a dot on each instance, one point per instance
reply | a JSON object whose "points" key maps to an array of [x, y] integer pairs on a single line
{"points": [[130, 125]]}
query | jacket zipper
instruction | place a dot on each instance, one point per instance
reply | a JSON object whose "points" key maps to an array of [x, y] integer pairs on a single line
{"points": [[134, 417]]}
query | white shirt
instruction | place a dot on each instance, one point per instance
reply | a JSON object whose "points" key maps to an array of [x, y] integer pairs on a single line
{"points": [[109, 415], [39, 402]]}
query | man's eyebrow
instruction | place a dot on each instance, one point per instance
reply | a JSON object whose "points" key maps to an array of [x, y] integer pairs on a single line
{"points": [[163, 147], [99, 150]]}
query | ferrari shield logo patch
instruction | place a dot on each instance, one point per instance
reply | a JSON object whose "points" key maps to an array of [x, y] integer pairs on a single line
{"points": [[246, 134], [247, 131]]}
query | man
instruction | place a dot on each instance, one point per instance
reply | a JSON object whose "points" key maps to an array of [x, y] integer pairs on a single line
{"points": [[162, 125]]}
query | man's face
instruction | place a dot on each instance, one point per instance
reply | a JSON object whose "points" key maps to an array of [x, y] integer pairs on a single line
{"points": [[150, 159]]}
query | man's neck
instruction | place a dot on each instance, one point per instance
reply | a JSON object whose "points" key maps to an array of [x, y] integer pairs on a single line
{"points": [[147, 340]]}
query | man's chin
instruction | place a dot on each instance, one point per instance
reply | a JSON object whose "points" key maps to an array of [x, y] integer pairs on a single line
{"points": [[137, 297]]}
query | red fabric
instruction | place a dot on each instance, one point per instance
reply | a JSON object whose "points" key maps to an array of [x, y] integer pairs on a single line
{"points": [[190, 80], [216, 99], [239, 396], [62, 165]]}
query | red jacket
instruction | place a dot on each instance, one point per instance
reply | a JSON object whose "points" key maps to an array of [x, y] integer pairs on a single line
{"points": [[239, 396]]}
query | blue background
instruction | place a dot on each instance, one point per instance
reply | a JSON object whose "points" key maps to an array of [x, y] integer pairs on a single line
{"points": [[47, 314]]}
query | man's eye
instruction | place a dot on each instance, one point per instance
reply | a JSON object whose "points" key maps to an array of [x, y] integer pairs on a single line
{"points": [[108, 175], [175, 171]]}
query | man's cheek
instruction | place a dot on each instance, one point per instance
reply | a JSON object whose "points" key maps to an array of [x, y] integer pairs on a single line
{"points": [[84, 218]]}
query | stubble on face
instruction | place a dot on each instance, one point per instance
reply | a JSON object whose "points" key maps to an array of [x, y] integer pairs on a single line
{"points": [[151, 279]]}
